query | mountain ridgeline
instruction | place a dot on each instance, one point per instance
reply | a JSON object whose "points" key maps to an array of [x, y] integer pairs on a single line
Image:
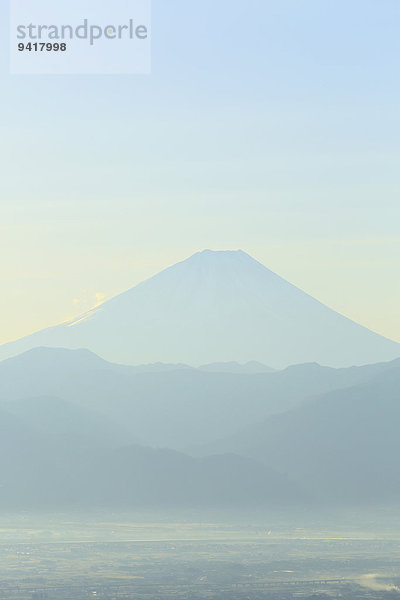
{"points": [[216, 307], [79, 426], [78, 431]]}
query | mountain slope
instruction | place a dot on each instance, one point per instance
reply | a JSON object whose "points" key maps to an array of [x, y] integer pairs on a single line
{"points": [[40, 469], [67, 421], [166, 407], [136, 475], [216, 307], [343, 445]]}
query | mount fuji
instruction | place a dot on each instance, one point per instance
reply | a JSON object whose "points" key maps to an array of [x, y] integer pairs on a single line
{"points": [[216, 306]]}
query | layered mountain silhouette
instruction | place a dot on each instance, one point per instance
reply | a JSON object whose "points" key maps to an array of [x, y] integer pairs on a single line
{"points": [[40, 469], [76, 430], [343, 445], [211, 414], [211, 308], [158, 405], [79, 448]]}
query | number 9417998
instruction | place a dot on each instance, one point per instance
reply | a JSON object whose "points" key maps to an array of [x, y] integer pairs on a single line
{"points": [[42, 47]]}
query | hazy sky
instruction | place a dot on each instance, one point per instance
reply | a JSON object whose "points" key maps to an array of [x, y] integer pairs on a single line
{"points": [[271, 126]]}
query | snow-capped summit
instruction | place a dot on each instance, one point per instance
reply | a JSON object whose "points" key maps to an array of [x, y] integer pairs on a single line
{"points": [[216, 306]]}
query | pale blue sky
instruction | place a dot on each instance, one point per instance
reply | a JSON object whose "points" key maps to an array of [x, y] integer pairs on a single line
{"points": [[269, 126]]}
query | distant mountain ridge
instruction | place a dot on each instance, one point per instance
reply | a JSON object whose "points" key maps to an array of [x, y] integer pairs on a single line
{"points": [[76, 430], [216, 307], [163, 406], [40, 469], [343, 445], [74, 451]]}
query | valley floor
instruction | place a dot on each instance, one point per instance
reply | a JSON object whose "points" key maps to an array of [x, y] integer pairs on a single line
{"points": [[214, 557]]}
